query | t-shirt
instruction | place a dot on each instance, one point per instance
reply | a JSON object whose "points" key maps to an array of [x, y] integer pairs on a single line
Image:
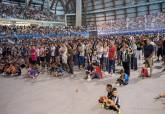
{"points": [[33, 55], [148, 50], [126, 78], [109, 95], [38, 52], [42, 52], [53, 48], [105, 51], [98, 71], [112, 53], [1, 50]]}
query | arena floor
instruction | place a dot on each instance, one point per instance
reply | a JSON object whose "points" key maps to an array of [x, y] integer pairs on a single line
{"points": [[49, 95]]}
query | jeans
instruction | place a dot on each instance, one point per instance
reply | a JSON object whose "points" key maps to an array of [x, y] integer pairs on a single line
{"points": [[105, 64], [133, 62], [81, 61], [126, 67], [111, 66]]}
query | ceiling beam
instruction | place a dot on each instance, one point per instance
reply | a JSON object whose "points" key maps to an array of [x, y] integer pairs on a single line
{"points": [[63, 5], [85, 2], [93, 4], [67, 5], [103, 3], [52, 4]]}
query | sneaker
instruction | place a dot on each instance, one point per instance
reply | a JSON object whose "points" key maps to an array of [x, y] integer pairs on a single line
{"points": [[119, 112], [117, 84]]}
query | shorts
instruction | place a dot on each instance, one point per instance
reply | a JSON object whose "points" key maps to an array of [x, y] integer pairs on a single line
{"points": [[47, 59], [33, 62], [42, 59]]}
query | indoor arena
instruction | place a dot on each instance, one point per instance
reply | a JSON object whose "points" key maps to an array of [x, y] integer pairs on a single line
{"points": [[82, 56]]}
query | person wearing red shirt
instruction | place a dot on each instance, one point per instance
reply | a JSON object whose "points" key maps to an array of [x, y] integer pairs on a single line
{"points": [[112, 57]]}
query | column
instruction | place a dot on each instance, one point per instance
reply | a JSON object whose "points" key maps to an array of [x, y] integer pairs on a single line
{"points": [[48, 5], [78, 12], [27, 3]]}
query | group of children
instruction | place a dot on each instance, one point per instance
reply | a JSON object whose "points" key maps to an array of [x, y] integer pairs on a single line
{"points": [[111, 101], [93, 71], [10, 69]]}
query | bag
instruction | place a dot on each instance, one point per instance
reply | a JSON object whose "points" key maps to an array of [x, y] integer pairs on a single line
{"points": [[144, 72]]}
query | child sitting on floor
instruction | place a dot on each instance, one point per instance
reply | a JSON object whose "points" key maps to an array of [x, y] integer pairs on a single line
{"points": [[110, 102], [12, 69], [109, 90], [123, 79], [114, 104], [97, 73], [89, 69], [145, 71], [56, 69], [33, 71]]}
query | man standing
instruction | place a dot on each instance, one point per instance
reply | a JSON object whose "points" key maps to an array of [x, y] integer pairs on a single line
{"points": [[163, 48], [148, 54], [112, 57], [70, 58]]}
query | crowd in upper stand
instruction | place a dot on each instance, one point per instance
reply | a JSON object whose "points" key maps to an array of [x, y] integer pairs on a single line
{"points": [[15, 11], [139, 23]]}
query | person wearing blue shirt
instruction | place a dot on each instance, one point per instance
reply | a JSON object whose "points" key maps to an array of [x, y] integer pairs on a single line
{"points": [[123, 79]]}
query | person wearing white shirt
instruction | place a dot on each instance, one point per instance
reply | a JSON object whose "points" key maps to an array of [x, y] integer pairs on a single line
{"points": [[105, 57], [100, 54], [134, 56], [53, 48]]}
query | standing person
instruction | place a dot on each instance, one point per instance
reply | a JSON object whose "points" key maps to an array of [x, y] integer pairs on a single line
{"points": [[42, 56], [139, 52], [33, 54], [70, 59], [81, 54], [148, 54], [99, 48], [126, 59], [105, 57], [112, 57], [159, 50], [38, 55], [63, 52], [47, 56], [57, 53], [163, 52], [53, 48], [134, 56]]}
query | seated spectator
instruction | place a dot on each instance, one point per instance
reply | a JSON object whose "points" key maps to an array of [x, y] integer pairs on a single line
{"points": [[162, 95], [145, 71], [33, 72], [109, 90], [111, 102], [97, 73], [123, 79], [12, 70], [89, 69], [56, 69]]}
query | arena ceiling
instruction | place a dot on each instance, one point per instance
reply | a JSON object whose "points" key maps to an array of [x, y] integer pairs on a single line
{"points": [[68, 5]]}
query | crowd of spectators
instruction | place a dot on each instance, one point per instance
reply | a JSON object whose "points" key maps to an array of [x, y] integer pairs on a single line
{"points": [[38, 31], [139, 23], [20, 12]]}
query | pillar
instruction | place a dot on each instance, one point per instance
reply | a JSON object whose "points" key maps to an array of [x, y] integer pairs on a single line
{"points": [[78, 12], [27, 3], [48, 5]]}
